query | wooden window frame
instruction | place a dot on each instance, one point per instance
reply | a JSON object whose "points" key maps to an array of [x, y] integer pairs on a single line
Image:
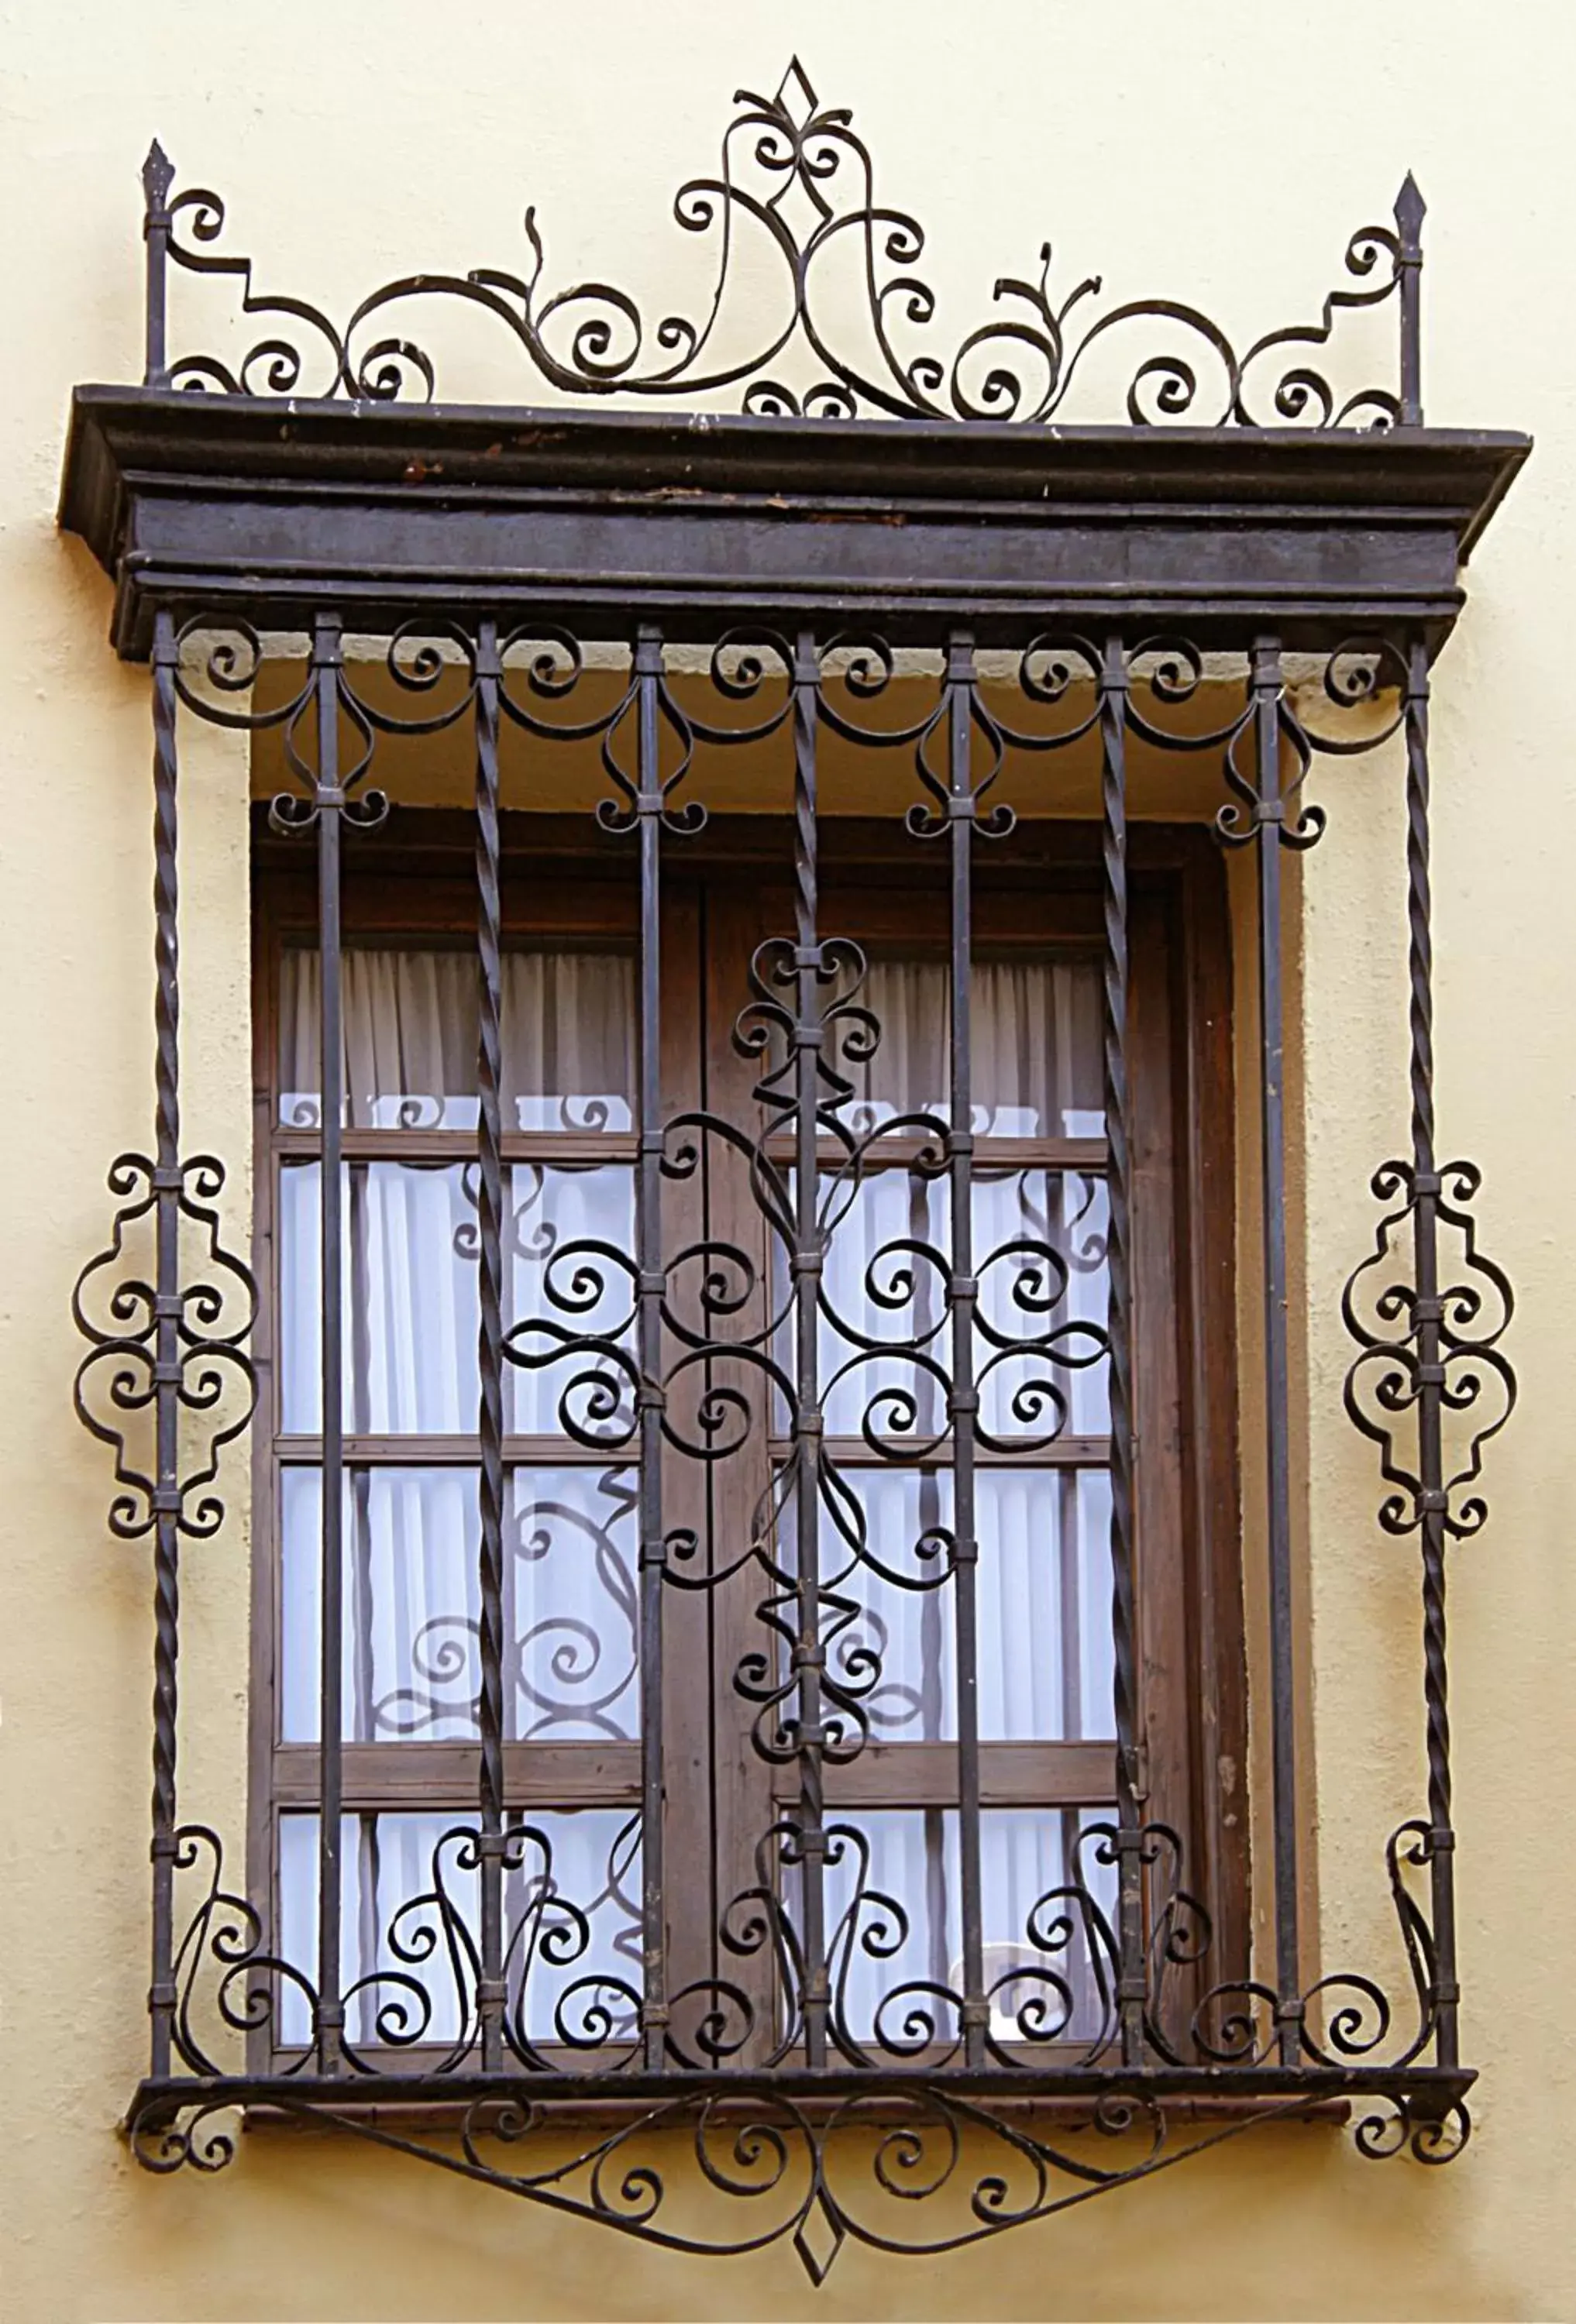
{"points": [[564, 883]]}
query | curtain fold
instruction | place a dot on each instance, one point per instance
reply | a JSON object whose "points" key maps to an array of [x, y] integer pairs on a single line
{"points": [[1036, 1058], [410, 1035]]}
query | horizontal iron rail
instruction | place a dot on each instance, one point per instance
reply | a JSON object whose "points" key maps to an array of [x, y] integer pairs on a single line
{"points": [[1429, 2091]]}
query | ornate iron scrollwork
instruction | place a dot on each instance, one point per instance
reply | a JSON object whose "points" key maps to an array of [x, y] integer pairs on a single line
{"points": [[772, 2166], [119, 1311], [793, 202], [799, 2073], [1393, 1374]]}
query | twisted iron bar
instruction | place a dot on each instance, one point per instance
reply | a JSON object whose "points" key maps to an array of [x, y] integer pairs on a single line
{"points": [[648, 814], [168, 1308], [1131, 1992], [1426, 1314], [963, 798], [811, 965], [796, 186], [489, 1354]]}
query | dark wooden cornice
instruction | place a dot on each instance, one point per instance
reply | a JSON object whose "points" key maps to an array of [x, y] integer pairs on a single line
{"points": [[266, 509]]}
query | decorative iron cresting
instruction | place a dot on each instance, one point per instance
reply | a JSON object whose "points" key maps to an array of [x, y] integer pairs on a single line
{"points": [[794, 205], [804, 2083]]}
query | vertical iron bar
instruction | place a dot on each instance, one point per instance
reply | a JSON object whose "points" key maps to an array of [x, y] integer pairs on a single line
{"points": [[1268, 818], [810, 1655], [166, 1336], [651, 1287], [1409, 214], [490, 1344], [1131, 1985], [963, 1297], [158, 176], [330, 802], [1428, 1317]]}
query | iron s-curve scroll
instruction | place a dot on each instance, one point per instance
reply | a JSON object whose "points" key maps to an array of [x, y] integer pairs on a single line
{"points": [[814, 309]]}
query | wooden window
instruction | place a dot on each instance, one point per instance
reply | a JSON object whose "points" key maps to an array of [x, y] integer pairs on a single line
{"points": [[573, 1704]]}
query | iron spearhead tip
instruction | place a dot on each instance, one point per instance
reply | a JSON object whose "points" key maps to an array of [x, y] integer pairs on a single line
{"points": [[158, 176], [1410, 208], [797, 94]]}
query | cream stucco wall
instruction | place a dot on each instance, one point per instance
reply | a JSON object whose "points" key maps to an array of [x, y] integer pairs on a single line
{"points": [[1221, 153]]}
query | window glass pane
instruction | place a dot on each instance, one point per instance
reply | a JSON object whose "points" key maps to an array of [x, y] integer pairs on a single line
{"points": [[570, 1024], [1019, 1216], [571, 1610], [412, 1605], [891, 1646], [578, 1876], [1035, 1042], [411, 1301], [1025, 1856], [410, 1036], [1039, 1258], [895, 1924], [409, 1277], [893, 1919], [569, 1294], [1044, 1605], [1042, 1591]]}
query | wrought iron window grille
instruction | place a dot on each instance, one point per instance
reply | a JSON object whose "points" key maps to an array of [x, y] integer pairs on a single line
{"points": [[992, 2094]]}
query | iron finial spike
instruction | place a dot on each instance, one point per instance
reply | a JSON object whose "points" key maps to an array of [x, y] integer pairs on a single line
{"points": [[1409, 210], [797, 77], [158, 176]]}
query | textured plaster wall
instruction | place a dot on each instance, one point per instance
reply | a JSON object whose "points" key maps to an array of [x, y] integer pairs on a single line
{"points": [[1223, 152]]}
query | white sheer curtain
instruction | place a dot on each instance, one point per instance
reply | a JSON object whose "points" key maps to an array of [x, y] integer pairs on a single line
{"points": [[1035, 1041], [409, 1286], [909, 1857], [410, 1045]]}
